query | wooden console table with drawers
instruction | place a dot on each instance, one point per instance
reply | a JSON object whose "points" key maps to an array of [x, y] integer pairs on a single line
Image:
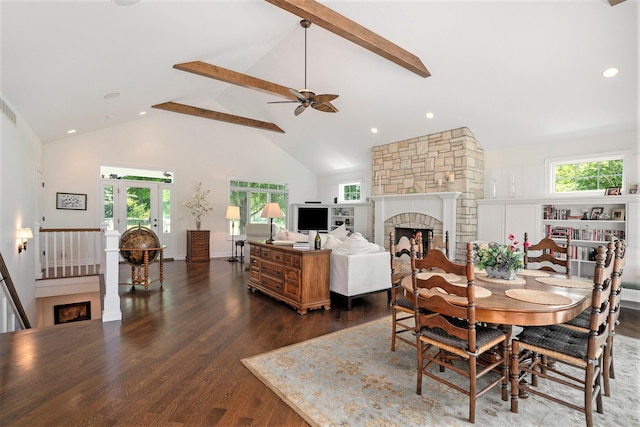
{"points": [[298, 277]]}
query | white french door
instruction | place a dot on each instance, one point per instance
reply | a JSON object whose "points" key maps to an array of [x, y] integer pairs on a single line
{"points": [[128, 204]]}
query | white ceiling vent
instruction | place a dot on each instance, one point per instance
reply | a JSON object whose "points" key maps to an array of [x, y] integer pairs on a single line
{"points": [[7, 111]]}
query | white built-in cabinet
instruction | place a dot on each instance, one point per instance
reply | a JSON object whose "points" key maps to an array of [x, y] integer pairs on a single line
{"points": [[355, 217], [556, 217], [498, 219]]}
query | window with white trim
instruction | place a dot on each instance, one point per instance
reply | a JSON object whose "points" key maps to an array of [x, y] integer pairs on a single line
{"points": [[587, 175], [349, 192], [251, 197]]}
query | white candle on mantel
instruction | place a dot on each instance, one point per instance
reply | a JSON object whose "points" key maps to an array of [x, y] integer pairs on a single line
{"points": [[439, 181], [452, 177]]}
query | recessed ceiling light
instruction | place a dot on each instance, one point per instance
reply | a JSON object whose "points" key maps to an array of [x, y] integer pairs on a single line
{"points": [[112, 95], [142, 113], [70, 131], [125, 2], [374, 130], [429, 115], [110, 116], [610, 72]]}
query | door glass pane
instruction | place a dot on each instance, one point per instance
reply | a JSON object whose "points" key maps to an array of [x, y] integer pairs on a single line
{"points": [[107, 195], [166, 210], [138, 207]]}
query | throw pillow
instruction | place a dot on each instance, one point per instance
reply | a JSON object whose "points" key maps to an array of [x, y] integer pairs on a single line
{"points": [[340, 232], [332, 242], [356, 244]]}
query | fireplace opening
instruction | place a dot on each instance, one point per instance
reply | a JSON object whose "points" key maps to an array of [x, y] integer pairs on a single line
{"points": [[402, 241]]}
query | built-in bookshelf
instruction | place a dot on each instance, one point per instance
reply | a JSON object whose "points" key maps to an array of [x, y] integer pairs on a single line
{"points": [[342, 216], [588, 226]]}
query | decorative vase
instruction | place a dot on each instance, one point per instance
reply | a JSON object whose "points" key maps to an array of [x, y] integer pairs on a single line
{"points": [[500, 274], [198, 225]]}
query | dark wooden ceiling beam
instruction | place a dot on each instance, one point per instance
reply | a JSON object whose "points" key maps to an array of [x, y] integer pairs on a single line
{"points": [[216, 115], [233, 77], [352, 31]]}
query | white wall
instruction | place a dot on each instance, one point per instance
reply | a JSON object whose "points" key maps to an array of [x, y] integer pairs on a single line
{"points": [[517, 173], [328, 184], [20, 158], [194, 148]]}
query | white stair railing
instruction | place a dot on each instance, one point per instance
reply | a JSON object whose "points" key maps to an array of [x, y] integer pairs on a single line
{"points": [[68, 252]]}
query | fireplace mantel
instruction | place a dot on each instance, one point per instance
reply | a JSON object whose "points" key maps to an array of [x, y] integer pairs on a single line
{"points": [[441, 206]]}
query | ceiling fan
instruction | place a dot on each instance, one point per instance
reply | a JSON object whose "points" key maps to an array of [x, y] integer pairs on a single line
{"points": [[306, 97]]}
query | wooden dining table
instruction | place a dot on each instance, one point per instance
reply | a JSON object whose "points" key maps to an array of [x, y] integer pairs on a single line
{"points": [[501, 309]]}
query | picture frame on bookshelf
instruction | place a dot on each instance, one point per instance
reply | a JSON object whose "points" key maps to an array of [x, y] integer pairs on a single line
{"points": [[617, 214], [596, 212], [612, 191]]}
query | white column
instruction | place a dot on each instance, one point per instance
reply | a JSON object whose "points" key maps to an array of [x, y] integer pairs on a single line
{"points": [[111, 304]]}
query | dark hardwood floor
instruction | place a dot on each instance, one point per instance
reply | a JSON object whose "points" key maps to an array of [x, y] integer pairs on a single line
{"points": [[174, 359]]}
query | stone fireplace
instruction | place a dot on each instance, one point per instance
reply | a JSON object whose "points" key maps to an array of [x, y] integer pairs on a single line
{"points": [[429, 182]]}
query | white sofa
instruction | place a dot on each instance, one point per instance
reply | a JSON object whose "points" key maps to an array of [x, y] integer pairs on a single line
{"points": [[357, 275]]}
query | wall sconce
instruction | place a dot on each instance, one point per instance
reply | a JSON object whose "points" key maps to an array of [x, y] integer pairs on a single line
{"points": [[23, 235], [271, 210]]}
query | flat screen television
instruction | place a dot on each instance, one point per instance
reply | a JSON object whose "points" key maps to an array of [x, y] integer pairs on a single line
{"points": [[313, 218]]}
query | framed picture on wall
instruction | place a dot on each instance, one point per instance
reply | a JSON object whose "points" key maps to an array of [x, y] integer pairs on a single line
{"points": [[612, 191], [71, 201], [74, 312]]}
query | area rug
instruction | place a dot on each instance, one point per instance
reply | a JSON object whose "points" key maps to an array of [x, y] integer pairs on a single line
{"points": [[351, 378]]}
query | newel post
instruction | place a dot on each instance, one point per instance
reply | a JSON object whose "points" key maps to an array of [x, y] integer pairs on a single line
{"points": [[111, 304], [37, 250]]}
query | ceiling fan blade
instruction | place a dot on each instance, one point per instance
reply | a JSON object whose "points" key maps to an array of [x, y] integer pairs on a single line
{"points": [[332, 21], [325, 98], [215, 115], [282, 102], [299, 110], [325, 107], [233, 77]]}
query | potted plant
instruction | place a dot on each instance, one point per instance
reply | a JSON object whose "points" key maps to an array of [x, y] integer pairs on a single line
{"points": [[198, 206], [500, 261]]}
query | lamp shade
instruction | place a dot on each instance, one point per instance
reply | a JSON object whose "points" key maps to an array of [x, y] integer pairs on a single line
{"points": [[233, 212], [271, 210], [25, 233]]}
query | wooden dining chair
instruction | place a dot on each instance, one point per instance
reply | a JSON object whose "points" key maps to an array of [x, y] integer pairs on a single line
{"points": [[547, 255], [437, 243], [402, 304], [583, 350], [446, 320], [581, 322]]}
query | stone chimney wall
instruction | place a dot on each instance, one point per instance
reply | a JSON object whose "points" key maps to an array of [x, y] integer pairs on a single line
{"points": [[417, 165]]}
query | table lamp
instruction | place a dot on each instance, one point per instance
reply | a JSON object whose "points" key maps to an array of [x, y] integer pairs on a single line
{"points": [[233, 213], [271, 210]]}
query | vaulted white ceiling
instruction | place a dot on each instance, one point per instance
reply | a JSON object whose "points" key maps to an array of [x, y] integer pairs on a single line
{"points": [[514, 72]]}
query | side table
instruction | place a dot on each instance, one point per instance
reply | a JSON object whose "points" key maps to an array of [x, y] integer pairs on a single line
{"points": [[240, 243], [198, 246]]}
